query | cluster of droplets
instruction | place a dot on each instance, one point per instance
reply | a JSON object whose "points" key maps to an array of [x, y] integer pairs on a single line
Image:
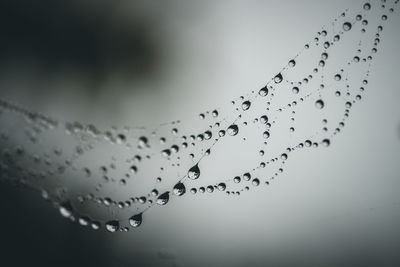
{"points": [[165, 149]]}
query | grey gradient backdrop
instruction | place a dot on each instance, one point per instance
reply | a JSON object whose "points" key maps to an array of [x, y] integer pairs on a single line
{"points": [[336, 207]]}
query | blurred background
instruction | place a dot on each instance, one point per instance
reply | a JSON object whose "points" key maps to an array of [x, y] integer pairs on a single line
{"points": [[146, 62]]}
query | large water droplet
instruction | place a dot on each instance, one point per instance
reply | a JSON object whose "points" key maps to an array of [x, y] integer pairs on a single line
{"points": [[136, 220], [194, 172], [264, 119], [255, 182], [347, 26], [319, 104], [246, 105], [278, 78], [246, 176], [263, 91], [233, 130], [179, 189], [112, 226], [221, 186]]}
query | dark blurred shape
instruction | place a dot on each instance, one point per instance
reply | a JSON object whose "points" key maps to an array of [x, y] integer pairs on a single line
{"points": [[58, 35]]}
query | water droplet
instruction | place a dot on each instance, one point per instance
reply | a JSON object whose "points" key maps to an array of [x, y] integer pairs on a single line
{"points": [[133, 169], [255, 182], [307, 143], [319, 104], [347, 26], [136, 220], [84, 221], [163, 198], [264, 119], [143, 141], [194, 172], [367, 6], [246, 176], [166, 153], [278, 78], [233, 130], [66, 209], [179, 189], [112, 226], [207, 135], [210, 189], [246, 105], [236, 179], [121, 138], [337, 77], [95, 225], [292, 63], [326, 142], [263, 91], [193, 191], [221, 186]]}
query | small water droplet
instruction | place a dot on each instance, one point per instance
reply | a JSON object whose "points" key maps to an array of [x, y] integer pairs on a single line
{"points": [[66, 209], [337, 77], [221, 186], [326, 142], [319, 104], [112, 226]]}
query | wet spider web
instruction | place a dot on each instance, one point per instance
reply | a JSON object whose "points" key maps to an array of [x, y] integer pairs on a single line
{"points": [[109, 178]]}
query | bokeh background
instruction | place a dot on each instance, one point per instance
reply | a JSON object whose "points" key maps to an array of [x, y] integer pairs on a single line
{"points": [[135, 62]]}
